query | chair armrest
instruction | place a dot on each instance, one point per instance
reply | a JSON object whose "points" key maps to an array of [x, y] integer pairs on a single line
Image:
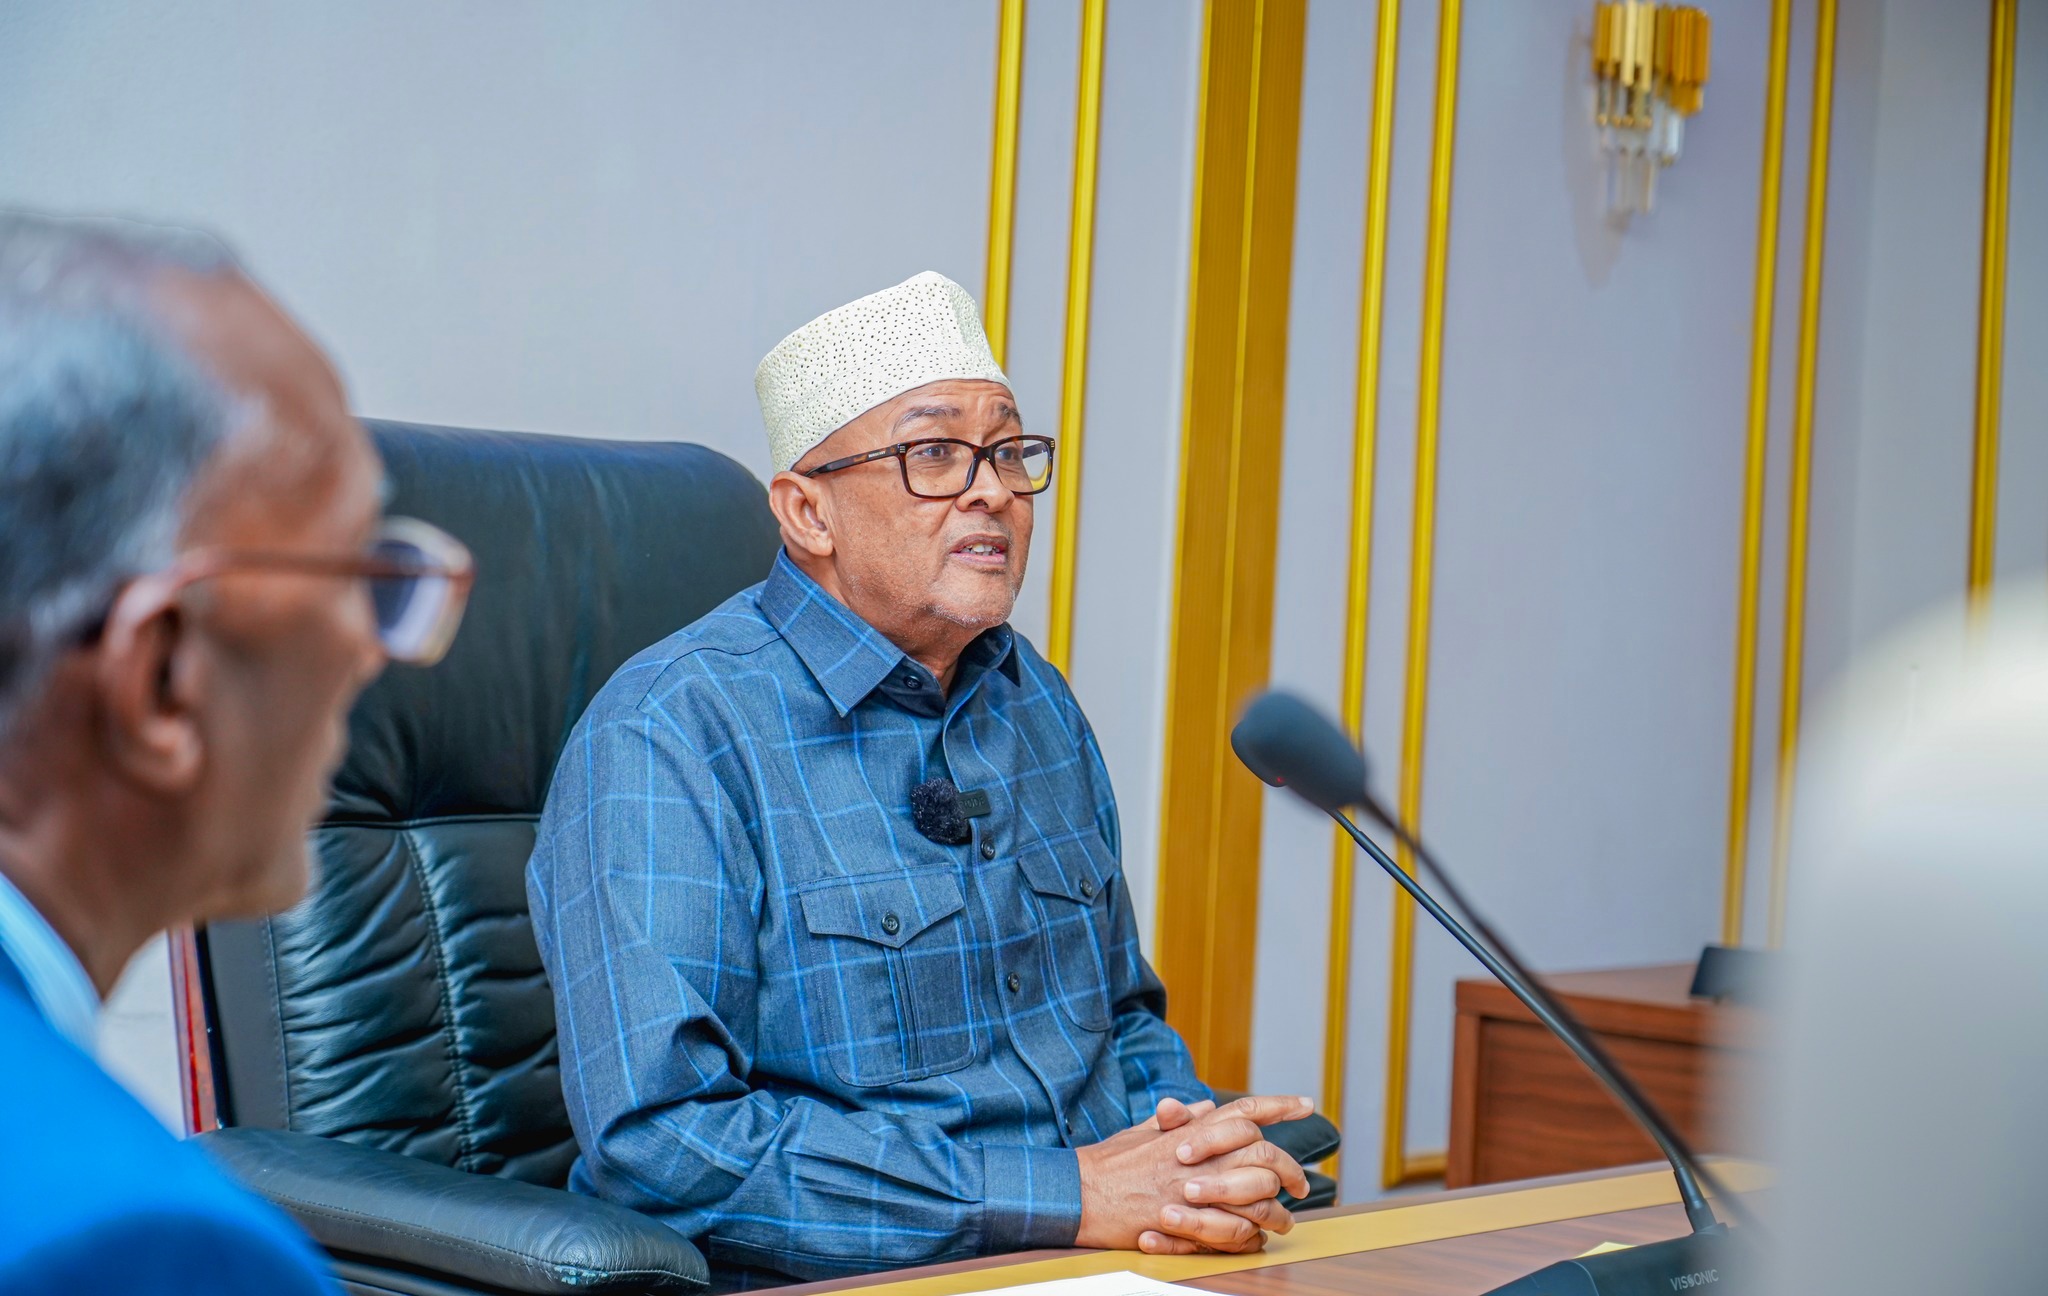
{"points": [[390, 1208], [1308, 1140], [1322, 1192]]}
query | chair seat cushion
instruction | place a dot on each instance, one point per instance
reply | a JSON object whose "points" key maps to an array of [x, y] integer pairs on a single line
{"points": [[369, 1204]]}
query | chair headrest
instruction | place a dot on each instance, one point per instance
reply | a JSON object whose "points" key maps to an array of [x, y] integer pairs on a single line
{"points": [[586, 552]]}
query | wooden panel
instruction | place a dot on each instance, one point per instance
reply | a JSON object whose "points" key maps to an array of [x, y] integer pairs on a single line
{"points": [[1232, 407], [1652, 1002], [1541, 1113], [1523, 1105], [1459, 1170]]}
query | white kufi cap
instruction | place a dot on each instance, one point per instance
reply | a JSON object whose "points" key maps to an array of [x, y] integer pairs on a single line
{"points": [[847, 361]]}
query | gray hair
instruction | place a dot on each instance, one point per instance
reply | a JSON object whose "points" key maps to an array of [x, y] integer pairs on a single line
{"points": [[104, 424]]}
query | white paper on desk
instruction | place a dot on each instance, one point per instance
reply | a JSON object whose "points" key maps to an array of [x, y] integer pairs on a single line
{"points": [[1121, 1283]]}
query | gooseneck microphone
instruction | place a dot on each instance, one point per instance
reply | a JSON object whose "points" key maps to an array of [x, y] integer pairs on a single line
{"points": [[1287, 743]]}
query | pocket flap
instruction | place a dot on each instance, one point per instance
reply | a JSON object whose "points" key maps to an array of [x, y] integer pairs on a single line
{"points": [[1067, 868], [888, 909]]}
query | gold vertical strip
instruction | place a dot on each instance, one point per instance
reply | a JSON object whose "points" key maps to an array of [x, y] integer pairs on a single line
{"points": [[1792, 672], [1189, 678], [1066, 537], [1358, 595], [1991, 301], [1233, 400], [1762, 316], [1395, 1165], [1002, 177]]}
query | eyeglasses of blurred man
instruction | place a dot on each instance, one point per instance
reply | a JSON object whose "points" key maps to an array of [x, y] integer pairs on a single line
{"points": [[418, 578]]}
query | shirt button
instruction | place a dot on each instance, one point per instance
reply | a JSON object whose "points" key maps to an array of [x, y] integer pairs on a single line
{"points": [[891, 923], [910, 681], [988, 850], [1087, 889], [1015, 983]]}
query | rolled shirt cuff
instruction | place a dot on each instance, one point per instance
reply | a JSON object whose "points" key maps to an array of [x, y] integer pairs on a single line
{"points": [[1031, 1197]]}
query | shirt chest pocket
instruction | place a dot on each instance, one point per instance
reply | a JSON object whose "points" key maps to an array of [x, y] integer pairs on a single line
{"points": [[1072, 883], [885, 976]]}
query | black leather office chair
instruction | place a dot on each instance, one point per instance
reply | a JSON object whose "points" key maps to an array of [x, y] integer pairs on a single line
{"points": [[384, 1054]]}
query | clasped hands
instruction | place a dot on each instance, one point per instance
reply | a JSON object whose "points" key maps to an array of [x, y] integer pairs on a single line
{"points": [[1193, 1178]]}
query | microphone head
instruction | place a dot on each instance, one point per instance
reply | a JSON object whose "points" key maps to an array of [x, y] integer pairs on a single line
{"points": [[1248, 740], [935, 812], [1288, 743]]}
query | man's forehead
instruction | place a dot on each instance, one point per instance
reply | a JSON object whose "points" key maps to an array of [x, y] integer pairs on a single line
{"points": [[300, 452], [994, 408], [241, 335], [987, 404], [957, 395]]}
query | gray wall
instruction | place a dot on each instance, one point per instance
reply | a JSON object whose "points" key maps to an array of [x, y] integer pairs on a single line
{"points": [[1591, 477], [594, 220], [590, 219], [1919, 331], [2023, 497], [1590, 481]]}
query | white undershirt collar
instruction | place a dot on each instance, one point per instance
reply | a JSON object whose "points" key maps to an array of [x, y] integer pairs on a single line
{"points": [[57, 982]]}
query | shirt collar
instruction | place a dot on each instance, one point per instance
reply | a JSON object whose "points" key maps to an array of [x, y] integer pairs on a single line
{"points": [[56, 980], [851, 659]]}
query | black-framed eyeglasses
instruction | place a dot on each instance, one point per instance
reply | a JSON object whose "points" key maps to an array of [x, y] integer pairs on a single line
{"points": [[944, 468]]}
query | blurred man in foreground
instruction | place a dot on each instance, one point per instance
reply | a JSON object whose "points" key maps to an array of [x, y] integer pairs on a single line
{"points": [[193, 587], [1913, 1036], [828, 884]]}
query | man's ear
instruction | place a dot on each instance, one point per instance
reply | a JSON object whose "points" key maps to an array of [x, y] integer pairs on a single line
{"points": [[150, 679], [798, 505]]}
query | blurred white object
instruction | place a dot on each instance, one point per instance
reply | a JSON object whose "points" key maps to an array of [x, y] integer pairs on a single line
{"points": [[138, 1043], [1912, 1101]]}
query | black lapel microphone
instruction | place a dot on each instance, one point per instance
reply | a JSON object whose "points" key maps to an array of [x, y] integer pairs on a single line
{"points": [[939, 811], [935, 812], [1288, 743]]}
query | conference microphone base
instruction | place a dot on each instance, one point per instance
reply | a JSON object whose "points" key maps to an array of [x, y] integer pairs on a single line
{"points": [[1696, 1263]]}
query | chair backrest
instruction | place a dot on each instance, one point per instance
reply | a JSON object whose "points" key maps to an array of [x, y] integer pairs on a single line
{"points": [[403, 1004]]}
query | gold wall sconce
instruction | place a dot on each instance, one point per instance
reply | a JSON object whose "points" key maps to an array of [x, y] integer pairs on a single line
{"points": [[1650, 65]]}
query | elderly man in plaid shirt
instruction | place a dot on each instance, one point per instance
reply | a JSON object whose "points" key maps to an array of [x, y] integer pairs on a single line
{"points": [[817, 1029]]}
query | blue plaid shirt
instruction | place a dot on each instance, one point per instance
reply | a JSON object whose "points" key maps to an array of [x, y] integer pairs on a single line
{"points": [[791, 1026]]}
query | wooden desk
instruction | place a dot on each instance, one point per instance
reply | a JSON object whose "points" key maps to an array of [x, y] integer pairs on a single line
{"points": [[1521, 1105], [1434, 1244]]}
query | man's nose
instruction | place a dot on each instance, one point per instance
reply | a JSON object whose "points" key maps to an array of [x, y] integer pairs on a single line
{"points": [[986, 490]]}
